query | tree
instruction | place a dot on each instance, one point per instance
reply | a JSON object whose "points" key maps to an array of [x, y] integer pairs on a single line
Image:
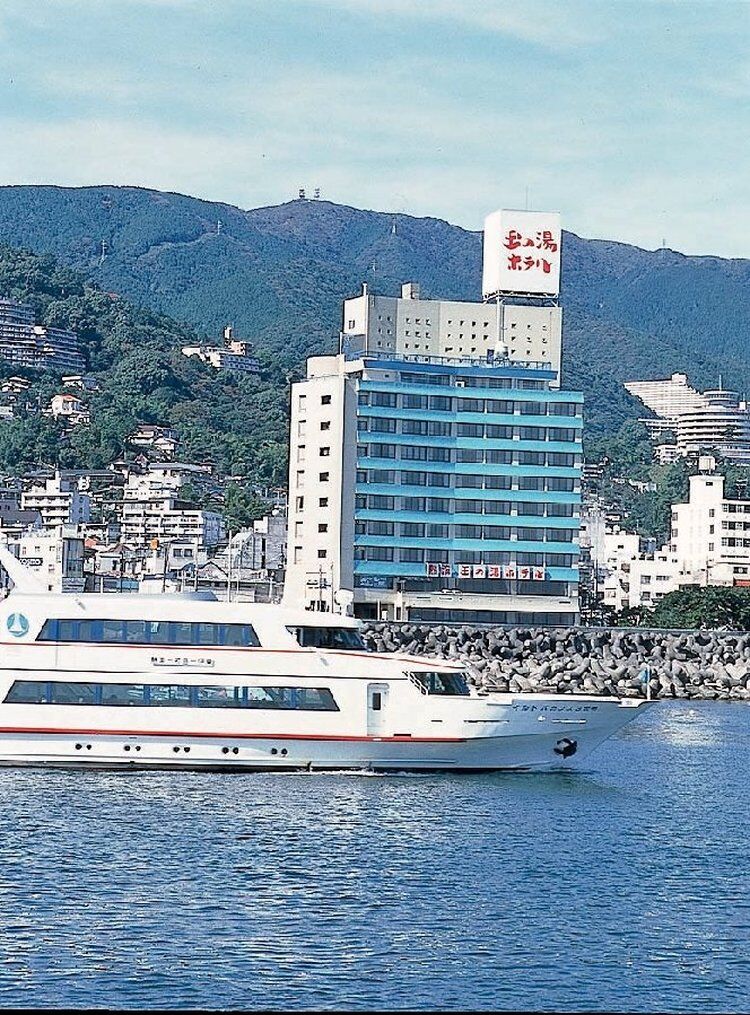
{"points": [[708, 607]]}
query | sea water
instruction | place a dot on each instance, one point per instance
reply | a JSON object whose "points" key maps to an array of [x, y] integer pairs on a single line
{"points": [[622, 886]]}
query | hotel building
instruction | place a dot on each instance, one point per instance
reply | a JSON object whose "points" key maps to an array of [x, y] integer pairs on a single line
{"points": [[434, 488]]}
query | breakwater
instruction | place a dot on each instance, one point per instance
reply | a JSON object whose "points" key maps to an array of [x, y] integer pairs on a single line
{"points": [[711, 665]]}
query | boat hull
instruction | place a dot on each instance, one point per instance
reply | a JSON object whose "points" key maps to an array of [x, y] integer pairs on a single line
{"points": [[533, 738]]}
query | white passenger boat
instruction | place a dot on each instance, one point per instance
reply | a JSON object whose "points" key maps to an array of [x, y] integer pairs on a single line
{"points": [[119, 681]]}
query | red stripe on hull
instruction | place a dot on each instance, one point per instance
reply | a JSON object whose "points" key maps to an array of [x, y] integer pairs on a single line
{"points": [[232, 736]]}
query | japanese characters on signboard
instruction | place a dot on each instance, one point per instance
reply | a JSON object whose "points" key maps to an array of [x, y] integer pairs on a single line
{"points": [[493, 571], [522, 253]]}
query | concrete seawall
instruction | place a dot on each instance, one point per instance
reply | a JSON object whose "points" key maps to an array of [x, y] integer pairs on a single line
{"points": [[684, 664]]}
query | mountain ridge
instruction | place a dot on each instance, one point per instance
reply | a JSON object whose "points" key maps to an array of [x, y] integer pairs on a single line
{"points": [[280, 272]]}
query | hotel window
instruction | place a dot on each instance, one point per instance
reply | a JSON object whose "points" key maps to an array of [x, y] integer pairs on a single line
{"points": [[298, 530], [323, 527], [383, 398], [413, 529], [382, 450], [383, 425], [324, 452], [416, 504], [300, 503], [469, 482], [324, 476], [301, 453], [469, 430], [415, 402], [414, 453], [437, 532], [380, 528], [302, 401], [440, 403], [381, 503], [300, 477], [439, 454], [411, 555], [437, 429], [379, 553], [470, 405], [325, 424], [438, 479], [325, 399], [439, 505], [414, 426], [468, 532], [322, 502], [322, 554]]}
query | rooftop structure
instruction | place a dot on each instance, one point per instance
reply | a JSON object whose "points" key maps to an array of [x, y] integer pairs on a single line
{"points": [[411, 326], [235, 354]]}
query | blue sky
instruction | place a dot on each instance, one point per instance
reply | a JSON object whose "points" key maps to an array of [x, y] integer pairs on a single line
{"points": [[629, 117]]}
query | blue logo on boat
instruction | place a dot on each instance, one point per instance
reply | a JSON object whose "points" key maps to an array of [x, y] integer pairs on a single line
{"points": [[18, 625]]}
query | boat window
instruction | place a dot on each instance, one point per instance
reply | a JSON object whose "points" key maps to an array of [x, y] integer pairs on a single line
{"points": [[123, 694], [341, 638], [27, 692], [72, 693], [445, 682], [170, 695], [219, 697], [150, 632], [58, 692]]}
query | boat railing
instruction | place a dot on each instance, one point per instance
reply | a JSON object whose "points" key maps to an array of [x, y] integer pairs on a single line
{"points": [[417, 683]]}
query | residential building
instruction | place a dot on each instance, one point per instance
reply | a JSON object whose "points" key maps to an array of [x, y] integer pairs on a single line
{"points": [[721, 425], [411, 326], [434, 488], [153, 512], [55, 555], [667, 398], [163, 439], [25, 343], [70, 409], [58, 500], [235, 354], [711, 532]]}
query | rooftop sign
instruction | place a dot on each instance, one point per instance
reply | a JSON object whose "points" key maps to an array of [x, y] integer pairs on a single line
{"points": [[521, 253]]}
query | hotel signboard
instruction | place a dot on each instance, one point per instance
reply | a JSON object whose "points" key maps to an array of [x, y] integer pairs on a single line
{"points": [[509, 572], [521, 253]]}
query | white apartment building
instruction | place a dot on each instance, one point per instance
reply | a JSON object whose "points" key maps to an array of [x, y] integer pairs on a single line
{"points": [[711, 534], [722, 425], [668, 398], [58, 500], [56, 556], [411, 326], [153, 511], [633, 578]]}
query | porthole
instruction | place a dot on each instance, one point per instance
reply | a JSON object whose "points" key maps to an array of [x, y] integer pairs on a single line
{"points": [[137, 747], [176, 750], [186, 750], [225, 750], [88, 747], [79, 747], [235, 750], [274, 751], [126, 747], [284, 751]]}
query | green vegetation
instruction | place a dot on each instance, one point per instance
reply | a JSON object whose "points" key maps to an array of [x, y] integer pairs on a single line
{"points": [[697, 607], [279, 275], [236, 423]]}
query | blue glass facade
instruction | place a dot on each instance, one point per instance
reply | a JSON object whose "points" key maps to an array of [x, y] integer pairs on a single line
{"points": [[468, 478]]}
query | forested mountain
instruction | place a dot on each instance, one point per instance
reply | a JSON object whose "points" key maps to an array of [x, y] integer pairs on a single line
{"points": [[237, 423], [279, 274]]}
